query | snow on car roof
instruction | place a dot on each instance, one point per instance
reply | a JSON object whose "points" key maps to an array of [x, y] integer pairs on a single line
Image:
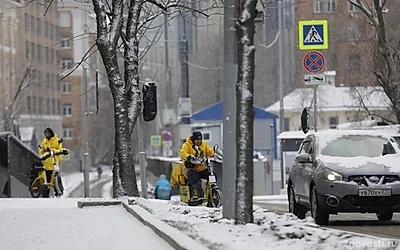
{"points": [[326, 136]]}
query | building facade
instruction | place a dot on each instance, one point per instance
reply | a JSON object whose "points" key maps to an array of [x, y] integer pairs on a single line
{"points": [[77, 37], [29, 74]]}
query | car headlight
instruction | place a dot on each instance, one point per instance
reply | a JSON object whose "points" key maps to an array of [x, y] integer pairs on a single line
{"points": [[331, 175]]}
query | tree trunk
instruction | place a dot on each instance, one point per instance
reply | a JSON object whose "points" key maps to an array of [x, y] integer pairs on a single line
{"points": [[245, 29]]}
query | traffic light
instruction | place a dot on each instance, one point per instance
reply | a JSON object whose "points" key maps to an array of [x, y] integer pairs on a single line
{"points": [[149, 94]]}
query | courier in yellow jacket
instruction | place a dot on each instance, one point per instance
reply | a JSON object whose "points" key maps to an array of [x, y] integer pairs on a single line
{"points": [[195, 147], [52, 142]]}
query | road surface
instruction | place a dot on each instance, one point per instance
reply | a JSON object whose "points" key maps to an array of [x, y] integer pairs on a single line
{"points": [[358, 223]]}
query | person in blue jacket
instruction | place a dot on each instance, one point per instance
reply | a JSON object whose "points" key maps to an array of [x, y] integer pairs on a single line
{"points": [[163, 190]]}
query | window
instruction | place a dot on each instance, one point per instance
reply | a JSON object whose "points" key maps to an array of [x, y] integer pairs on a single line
{"points": [[65, 19], [40, 105], [27, 49], [47, 55], [324, 6], [39, 53], [354, 62], [67, 133], [286, 124], [27, 22], [58, 107], [38, 27], [66, 87], [65, 43], [46, 29], [48, 79], [207, 136], [51, 35], [34, 104], [67, 110], [352, 7], [66, 64], [53, 106], [28, 104], [33, 22], [48, 106], [333, 122], [33, 50], [354, 32]]}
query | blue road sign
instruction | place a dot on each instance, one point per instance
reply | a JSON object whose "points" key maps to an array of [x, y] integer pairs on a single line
{"points": [[313, 35]]}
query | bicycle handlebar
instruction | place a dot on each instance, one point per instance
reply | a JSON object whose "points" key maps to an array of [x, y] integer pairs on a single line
{"points": [[55, 152]]}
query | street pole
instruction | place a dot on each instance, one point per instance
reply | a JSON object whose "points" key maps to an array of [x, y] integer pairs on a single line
{"points": [[229, 109], [281, 107], [315, 108], [85, 135], [167, 68], [184, 68], [142, 159], [272, 156]]}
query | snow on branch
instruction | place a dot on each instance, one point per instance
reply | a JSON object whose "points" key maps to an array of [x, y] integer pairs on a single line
{"points": [[84, 58]]}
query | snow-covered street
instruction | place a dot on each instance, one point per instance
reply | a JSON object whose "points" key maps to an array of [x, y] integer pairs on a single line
{"points": [[60, 224], [270, 230]]}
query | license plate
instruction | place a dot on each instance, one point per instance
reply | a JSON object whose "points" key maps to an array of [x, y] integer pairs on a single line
{"points": [[375, 192]]}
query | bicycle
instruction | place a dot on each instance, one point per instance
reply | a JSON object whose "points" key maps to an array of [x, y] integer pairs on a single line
{"points": [[42, 181], [212, 195]]}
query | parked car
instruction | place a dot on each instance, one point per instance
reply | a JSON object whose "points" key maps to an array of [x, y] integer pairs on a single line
{"points": [[343, 171]]}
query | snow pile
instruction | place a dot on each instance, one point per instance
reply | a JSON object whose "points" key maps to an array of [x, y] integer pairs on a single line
{"points": [[270, 230], [60, 224]]}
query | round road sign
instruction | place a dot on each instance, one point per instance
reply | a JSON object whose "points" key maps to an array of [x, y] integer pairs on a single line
{"points": [[314, 62]]}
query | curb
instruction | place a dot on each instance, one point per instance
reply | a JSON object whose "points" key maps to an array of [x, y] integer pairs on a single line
{"points": [[82, 204], [162, 229]]}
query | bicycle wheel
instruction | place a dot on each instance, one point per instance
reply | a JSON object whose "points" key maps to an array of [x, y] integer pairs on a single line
{"points": [[216, 197]]}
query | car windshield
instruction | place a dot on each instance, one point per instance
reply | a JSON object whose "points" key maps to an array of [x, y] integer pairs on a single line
{"points": [[355, 145]]}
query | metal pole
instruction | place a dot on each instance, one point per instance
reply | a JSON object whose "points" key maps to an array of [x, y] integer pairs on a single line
{"points": [[315, 108], [85, 135], [229, 109], [281, 107], [142, 159], [272, 156], [167, 68], [184, 68]]}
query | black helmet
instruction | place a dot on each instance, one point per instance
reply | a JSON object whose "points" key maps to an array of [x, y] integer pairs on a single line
{"points": [[197, 135], [48, 133]]}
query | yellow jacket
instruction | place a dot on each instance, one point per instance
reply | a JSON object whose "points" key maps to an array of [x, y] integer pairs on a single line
{"points": [[54, 144], [188, 149]]}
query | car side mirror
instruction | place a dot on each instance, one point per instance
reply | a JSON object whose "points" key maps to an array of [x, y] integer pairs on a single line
{"points": [[303, 158]]}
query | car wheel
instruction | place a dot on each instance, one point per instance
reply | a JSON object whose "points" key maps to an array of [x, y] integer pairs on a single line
{"points": [[384, 215], [320, 216], [294, 208]]}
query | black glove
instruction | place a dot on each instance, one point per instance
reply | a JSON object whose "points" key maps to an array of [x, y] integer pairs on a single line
{"points": [[191, 158], [65, 152]]}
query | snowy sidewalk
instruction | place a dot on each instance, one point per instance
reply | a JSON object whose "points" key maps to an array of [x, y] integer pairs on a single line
{"points": [[60, 224]]}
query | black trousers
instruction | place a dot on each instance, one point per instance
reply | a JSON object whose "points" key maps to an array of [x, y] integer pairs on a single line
{"points": [[194, 177]]}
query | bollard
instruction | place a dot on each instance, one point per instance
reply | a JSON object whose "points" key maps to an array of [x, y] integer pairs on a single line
{"points": [[143, 175]]}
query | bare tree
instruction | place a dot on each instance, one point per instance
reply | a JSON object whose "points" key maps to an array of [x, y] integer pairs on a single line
{"points": [[386, 50], [245, 29], [112, 27]]}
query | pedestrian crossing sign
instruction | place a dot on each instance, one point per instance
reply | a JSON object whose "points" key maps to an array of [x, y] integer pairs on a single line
{"points": [[313, 35]]}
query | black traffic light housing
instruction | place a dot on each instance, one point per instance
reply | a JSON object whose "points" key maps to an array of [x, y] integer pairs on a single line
{"points": [[305, 120], [149, 93]]}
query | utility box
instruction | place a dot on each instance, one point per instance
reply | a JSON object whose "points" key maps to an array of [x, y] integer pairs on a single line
{"points": [[185, 107]]}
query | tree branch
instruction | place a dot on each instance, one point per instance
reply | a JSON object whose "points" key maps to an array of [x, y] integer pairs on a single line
{"points": [[85, 56]]}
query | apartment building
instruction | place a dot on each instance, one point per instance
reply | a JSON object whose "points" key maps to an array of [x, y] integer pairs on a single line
{"points": [[76, 37], [350, 41], [29, 55], [8, 55]]}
